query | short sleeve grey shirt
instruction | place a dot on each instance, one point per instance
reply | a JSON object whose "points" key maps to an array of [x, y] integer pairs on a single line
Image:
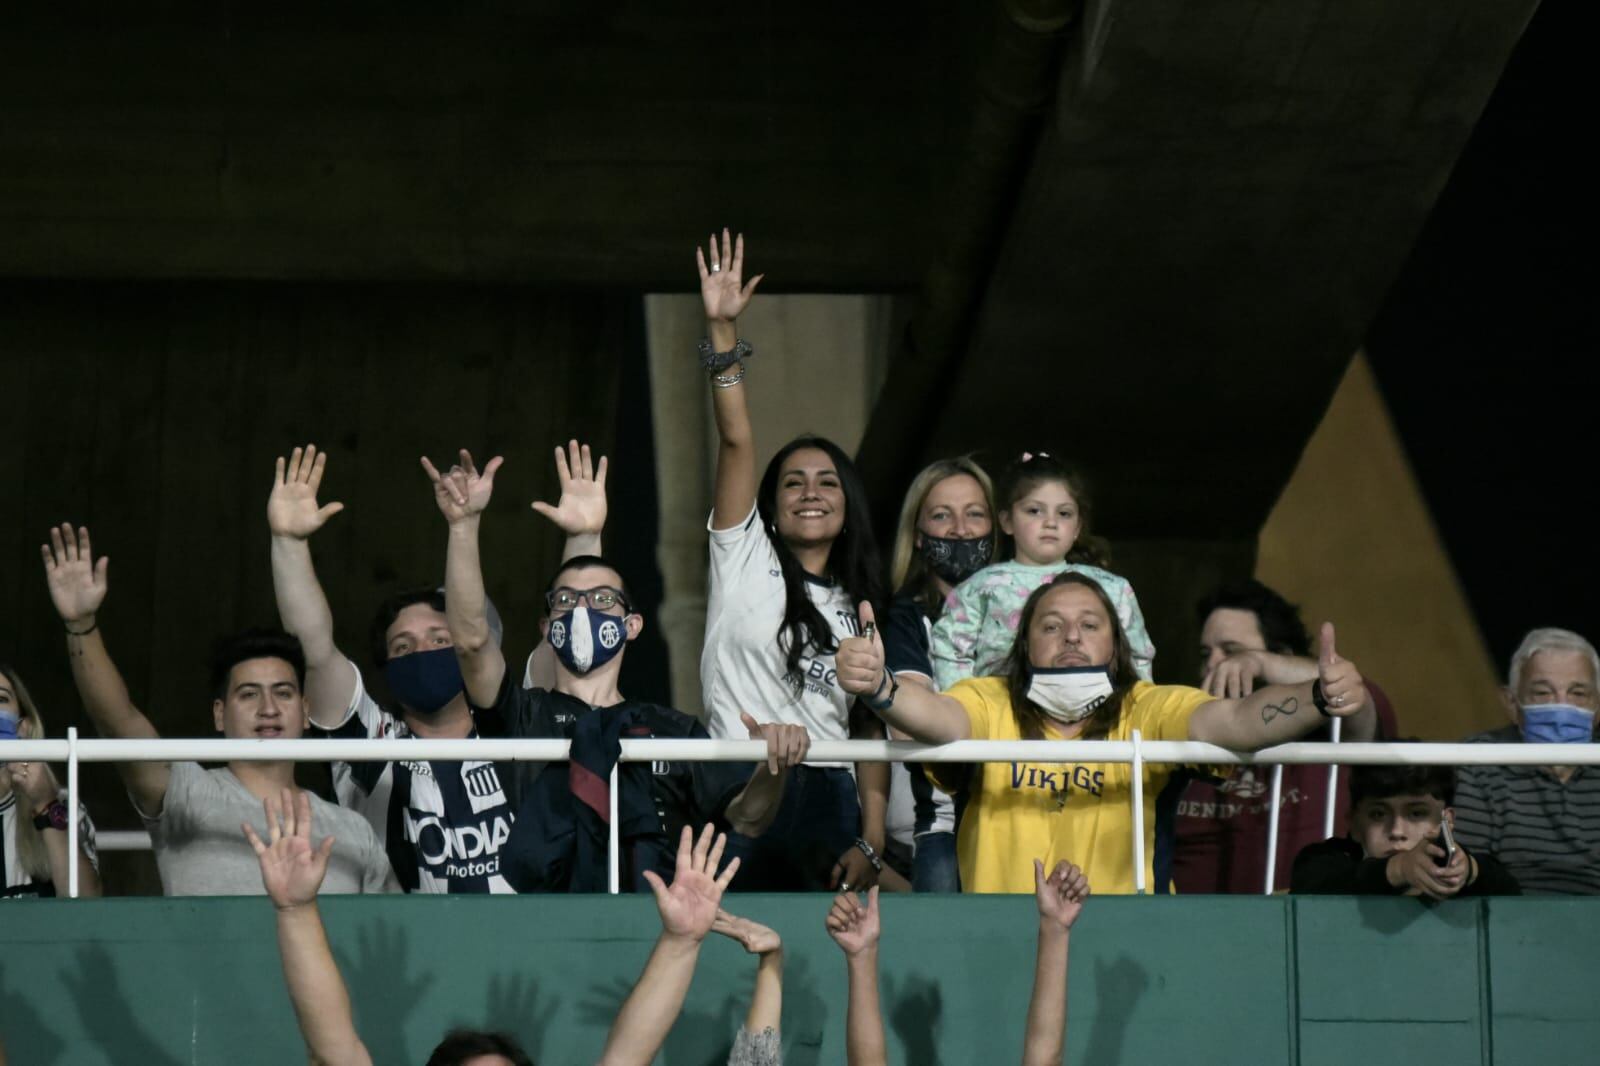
{"points": [[201, 851]]}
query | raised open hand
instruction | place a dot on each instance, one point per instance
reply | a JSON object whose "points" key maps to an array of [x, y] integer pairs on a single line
{"points": [[463, 492], [722, 284], [854, 927], [291, 868], [1060, 896], [689, 905], [292, 509], [77, 582], [581, 510]]}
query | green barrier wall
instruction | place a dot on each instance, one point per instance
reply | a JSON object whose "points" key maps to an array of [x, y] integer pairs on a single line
{"points": [[1198, 980]]}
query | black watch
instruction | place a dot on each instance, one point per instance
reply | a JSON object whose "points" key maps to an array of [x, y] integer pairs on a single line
{"points": [[52, 817]]}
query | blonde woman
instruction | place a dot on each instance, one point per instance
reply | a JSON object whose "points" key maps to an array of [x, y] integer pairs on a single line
{"points": [[33, 811], [946, 533]]}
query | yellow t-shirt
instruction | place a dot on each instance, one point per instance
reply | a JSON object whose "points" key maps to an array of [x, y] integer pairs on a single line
{"points": [[1081, 812]]}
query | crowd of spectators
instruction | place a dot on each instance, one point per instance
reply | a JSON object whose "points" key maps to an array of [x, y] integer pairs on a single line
{"points": [[1000, 616]]}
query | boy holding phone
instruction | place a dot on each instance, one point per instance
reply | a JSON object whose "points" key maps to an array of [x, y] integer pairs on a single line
{"points": [[1400, 843]]}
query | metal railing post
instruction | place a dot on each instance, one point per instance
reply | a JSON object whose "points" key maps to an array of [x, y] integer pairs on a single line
{"points": [[1137, 766], [72, 812], [1272, 831], [1333, 783], [613, 842]]}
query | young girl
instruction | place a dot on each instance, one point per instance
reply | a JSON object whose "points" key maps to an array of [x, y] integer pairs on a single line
{"points": [[1046, 514], [790, 560]]}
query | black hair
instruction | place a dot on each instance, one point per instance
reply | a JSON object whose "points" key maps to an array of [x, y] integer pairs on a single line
{"points": [[1032, 469], [1279, 620], [232, 650], [462, 1045], [1381, 782], [853, 561], [1019, 668], [587, 562], [389, 610]]}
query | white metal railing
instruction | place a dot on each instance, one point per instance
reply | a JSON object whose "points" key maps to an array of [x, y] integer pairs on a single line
{"points": [[1137, 752]]}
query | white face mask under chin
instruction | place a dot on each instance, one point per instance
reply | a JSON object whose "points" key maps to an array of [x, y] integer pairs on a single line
{"points": [[1071, 693]]}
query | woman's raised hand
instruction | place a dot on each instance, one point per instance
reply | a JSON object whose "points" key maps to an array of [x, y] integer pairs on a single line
{"points": [[722, 285]]}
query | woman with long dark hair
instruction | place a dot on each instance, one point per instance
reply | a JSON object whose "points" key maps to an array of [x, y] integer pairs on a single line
{"points": [[791, 559], [1070, 676]]}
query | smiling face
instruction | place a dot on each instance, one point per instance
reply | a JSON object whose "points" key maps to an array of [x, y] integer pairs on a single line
{"points": [[263, 701], [1392, 824], [809, 506], [1070, 628], [955, 508], [1044, 522]]}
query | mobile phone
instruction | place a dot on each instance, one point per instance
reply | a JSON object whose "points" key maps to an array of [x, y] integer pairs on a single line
{"points": [[1447, 841]]}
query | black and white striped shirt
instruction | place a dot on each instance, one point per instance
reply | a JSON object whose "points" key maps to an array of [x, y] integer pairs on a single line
{"points": [[1547, 833]]}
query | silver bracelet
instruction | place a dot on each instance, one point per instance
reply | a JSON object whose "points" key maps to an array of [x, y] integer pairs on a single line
{"points": [[728, 381]]}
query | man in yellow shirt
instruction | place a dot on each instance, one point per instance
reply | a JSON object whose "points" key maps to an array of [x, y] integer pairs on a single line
{"points": [[1071, 677]]}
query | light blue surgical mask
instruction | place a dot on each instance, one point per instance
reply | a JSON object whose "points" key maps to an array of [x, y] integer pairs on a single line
{"points": [[8, 725], [1557, 723]]}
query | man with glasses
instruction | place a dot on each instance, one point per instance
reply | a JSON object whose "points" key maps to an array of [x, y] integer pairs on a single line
{"points": [[563, 812], [443, 824]]}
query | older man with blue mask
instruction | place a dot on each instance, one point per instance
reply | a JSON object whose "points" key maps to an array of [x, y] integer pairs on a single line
{"points": [[1542, 822]]}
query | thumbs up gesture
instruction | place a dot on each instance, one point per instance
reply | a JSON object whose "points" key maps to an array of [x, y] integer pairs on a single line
{"points": [[859, 660], [1342, 686]]}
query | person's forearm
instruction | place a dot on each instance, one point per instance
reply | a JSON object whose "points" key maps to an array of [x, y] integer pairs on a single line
{"points": [[864, 1041], [650, 1009], [872, 786], [100, 685], [321, 1002], [753, 809], [1047, 1011], [735, 488], [303, 609], [302, 605], [925, 716], [465, 602], [1273, 715], [55, 847], [581, 544], [766, 1001]]}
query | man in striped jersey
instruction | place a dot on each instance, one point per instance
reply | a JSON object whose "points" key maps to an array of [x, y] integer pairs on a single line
{"points": [[1542, 822], [444, 825]]}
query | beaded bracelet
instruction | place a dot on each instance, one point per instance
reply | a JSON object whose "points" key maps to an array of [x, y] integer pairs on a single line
{"points": [[714, 360]]}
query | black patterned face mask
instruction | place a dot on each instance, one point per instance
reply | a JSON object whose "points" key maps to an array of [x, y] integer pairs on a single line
{"points": [[956, 560]]}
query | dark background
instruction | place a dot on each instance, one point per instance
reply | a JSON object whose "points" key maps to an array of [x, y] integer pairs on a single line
{"points": [[1486, 347]]}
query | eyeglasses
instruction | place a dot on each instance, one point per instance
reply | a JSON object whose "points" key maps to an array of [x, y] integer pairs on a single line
{"points": [[601, 598]]}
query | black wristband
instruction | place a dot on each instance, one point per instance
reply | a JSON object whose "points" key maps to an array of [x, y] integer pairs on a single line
{"points": [[81, 632], [888, 701], [1318, 700]]}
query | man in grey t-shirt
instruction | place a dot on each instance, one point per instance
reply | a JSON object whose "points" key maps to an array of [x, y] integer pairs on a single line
{"points": [[194, 815]]}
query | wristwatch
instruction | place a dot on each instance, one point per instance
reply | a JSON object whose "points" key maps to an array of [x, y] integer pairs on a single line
{"points": [[52, 817]]}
